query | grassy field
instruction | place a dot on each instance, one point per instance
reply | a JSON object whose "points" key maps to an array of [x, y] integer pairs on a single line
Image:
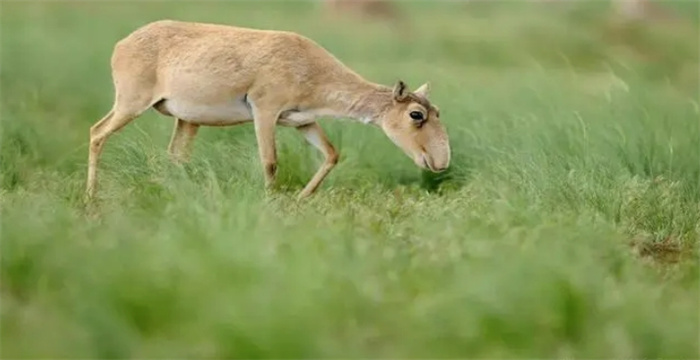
{"points": [[567, 226]]}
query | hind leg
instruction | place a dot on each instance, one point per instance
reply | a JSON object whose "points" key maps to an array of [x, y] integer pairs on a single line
{"points": [[116, 119], [180, 146]]}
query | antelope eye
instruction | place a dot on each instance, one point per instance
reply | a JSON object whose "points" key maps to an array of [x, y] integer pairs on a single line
{"points": [[416, 115]]}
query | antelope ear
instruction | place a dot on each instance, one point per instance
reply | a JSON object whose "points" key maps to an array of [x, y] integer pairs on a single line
{"points": [[423, 90], [400, 92]]}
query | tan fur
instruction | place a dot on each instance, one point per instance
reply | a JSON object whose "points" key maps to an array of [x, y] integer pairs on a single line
{"points": [[218, 75]]}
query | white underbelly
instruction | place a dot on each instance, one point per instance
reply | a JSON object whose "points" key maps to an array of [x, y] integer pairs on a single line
{"points": [[224, 113]]}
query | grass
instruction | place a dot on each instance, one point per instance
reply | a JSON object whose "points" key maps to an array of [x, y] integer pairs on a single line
{"points": [[567, 225]]}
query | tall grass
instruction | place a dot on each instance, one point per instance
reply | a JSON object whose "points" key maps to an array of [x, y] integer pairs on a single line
{"points": [[567, 225]]}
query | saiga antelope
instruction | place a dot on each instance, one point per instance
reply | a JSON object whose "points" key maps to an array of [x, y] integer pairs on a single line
{"points": [[219, 75]]}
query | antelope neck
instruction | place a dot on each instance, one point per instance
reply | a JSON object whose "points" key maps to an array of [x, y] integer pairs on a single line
{"points": [[363, 101]]}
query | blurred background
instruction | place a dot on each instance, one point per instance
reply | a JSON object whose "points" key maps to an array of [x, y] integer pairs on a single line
{"points": [[655, 38]]}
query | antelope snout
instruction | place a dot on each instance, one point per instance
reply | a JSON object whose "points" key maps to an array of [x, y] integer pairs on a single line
{"points": [[435, 164]]}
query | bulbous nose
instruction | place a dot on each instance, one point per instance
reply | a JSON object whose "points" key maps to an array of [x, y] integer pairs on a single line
{"points": [[443, 164], [436, 166], [438, 169]]}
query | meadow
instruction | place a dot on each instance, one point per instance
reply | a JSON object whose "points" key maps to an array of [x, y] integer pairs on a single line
{"points": [[567, 225]]}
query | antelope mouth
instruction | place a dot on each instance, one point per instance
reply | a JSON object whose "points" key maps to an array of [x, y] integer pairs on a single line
{"points": [[429, 166]]}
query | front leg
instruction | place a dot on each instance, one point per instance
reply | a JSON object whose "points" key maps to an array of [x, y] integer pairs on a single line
{"points": [[265, 123], [315, 136]]}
